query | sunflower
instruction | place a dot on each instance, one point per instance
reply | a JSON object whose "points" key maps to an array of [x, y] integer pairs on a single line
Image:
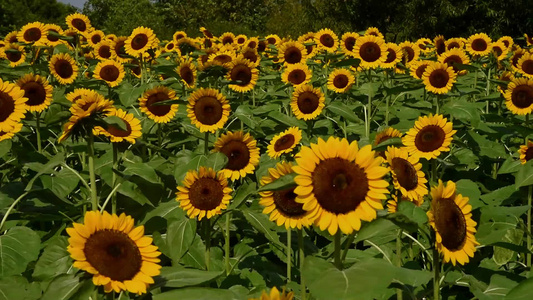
{"points": [[499, 50], [187, 72], [506, 76], [252, 55], [392, 204], [373, 31], [140, 40], [102, 50], [273, 39], [284, 142], [37, 90], [118, 50], [117, 134], [339, 184], [11, 37], [15, 54], [451, 218], [296, 74], [110, 71], [526, 152], [243, 73], [327, 40], [417, 68], [515, 57], [454, 43], [371, 51], [32, 33], [241, 39], [455, 56], [507, 41], [208, 109], [64, 68], [179, 35], [9, 134], [223, 57], [439, 78], [292, 52], [525, 65], [407, 174], [53, 39], [394, 56], [308, 40], [275, 295], [430, 136], [80, 23], [519, 96], [158, 113], [479, 44], [386, 134], [340, 80], [529, 39], [94, 37], [242, 152], [227, 38], [252, 42], [186, 45], [118, 254], [307, 102], [12, 105], [410, 51], [281, 205], [77, 94], [425, 45], [440, 44], [348, 43]]}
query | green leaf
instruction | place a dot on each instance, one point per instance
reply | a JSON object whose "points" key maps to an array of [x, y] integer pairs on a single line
{"points": [[142, 170], [286, 120], [47, 168], [488, 148], [504, 255], [245, 114], [164, 210], [348, 62], [496, 197], [282, 183], [18, 247], [261, 222], [5, 147], [115, 122], [395, 141], [523, 291], [63, 287], [17, 287], [180, 235], [470, 189], [217, 161], [375, 228], [195, 293], [510, 165], [54, 261], [61, 183], [343, 110], [413, 212], [241, 194], [524, 176], [178, 277], [463, 110]]}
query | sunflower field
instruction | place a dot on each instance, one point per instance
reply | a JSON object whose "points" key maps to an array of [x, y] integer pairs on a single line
{"points": [[327, 166]]}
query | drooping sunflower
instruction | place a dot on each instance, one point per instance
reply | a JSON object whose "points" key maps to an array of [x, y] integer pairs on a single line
{"points": [[371, 51], [242, 152], [340, 184], [37, 90], [417, 68], [222, 57], [158, 113], [34, 33], [118, 254], [103, 51], [453, 57], [11, 37], [292, 52], [340, 80], [439, 78], [116, 134], [281, 205], [373, 31], [140, 40], [394, 56], [407, 173], [454, 43], [440, 44], [77, 94], [275, 295], [296, 74], [526, 152], [80, 23], [430, 136], [15, 54], [110, 71], [348, 43], [204, 193], [243, 73], [327, 40], [519, 96], [525, 65], [410, 51], [12, 105], [425, 45], [284, 142], [51, 32], [307, 102], [9, 134], [187, 72], [208, 109], [479, 44], [64, 68], [451, 218]]}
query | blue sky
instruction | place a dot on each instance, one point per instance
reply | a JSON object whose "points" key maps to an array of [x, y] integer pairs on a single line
{"points": [[76, 3]]}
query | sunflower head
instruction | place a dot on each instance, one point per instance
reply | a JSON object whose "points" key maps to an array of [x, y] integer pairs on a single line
{"points": [[430, 136], [159, 113], [110, 71], [139, 41], [129, 131], [373, 31], [296, 74], [292, 52], [439, 78], [14, 53], [348, 42], [9, 134], [440, 44], [454, 57], [519, 96], [275, 295], [78, 22], [307, 102], [284, 142], [64, 68], [526, 152], [37, 90], [407, 174], [417, 68], [12, 105], [187, 71], [479, 44], [451, 218], [410, 51], [227, 38], [370, 50], [243, 73], [425, 45], [327, 40], [525, 65], [241, 150], [340, 80], [34, 33], [208, 109], [394, 56]]}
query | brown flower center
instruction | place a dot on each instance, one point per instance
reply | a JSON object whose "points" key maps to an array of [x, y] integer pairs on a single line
{"points": [[522, 96], [241, 40], [308, 102], [529, 154], [14, 56], [452, 45], [370, 52], [227, 40], [285, 203], [271, 41], [339, 185], [527, 66], [479, 45], [170, 46], [96, 38], [35, 93], [440, 46], [79, 24], [119, 48], [241, 73], [391, 56], [104, 52], [113, 254], [261, 46], [238, 155], [293, 55], [429, 138], [117, 131], [349, 43], [409, 53], [187, 75], [252, 44], [450, 223], [7, 106], [63, 68], [296, 76], [497, 51], [439, 78], [250, 55], [516, 57], [452, 60], [32, 34], [405, 173], [208, 110], [109, 73], [420, 70], [158, 110], [139, 41], [206, 193], [284, 142], [327, 40], [222, 59], [340, 81]]}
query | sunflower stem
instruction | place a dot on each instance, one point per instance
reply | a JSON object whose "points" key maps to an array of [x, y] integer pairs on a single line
{"points": [[436, 269], [92, 175], [206, 143], [399, 294], [11, 208], [337, 253], [38, 131], [437, 104], [368, 116], [159, 135], [529, 198], [207, 229], [289, 265], [226, 244], [115, 165], [301, 255], [309, 129], [349, 242]]}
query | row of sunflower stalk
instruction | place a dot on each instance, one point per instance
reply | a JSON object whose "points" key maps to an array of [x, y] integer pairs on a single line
{"points": [[180, 169]]}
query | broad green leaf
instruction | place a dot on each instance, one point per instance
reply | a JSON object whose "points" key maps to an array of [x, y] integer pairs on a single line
{"points": [[487, 147], [395, 141], [195, 256], [47, 168], [142, 170], [343, 110], [282, 183], [284, 119], [497, 197], [17, 287], [499, 286], [503, 255], [468, 188], [61, 183], [178, 277], [217, 161], [180, 235], [463, 110], [375, 228], [523, 291], [164, 210], [132, 191], [242, 193], [193, 164], [413, 212], [348, 62], [18, 247], [263, 109], [510, 165], [63, 287], [524, 176], [5, 147], [54, 261], [196, 293], [245, 114], [261, 222]]}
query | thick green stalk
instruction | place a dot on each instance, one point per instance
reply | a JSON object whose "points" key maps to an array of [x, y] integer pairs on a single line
{"points": [[207, 230], [206, 143], [38, 131], [528, 256], [368, 116], [4, 219], [436, 276], [301, 255], [399, 294], [92, 174], [289, 264], [226, 244], [115, 165], [337, 253]]}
